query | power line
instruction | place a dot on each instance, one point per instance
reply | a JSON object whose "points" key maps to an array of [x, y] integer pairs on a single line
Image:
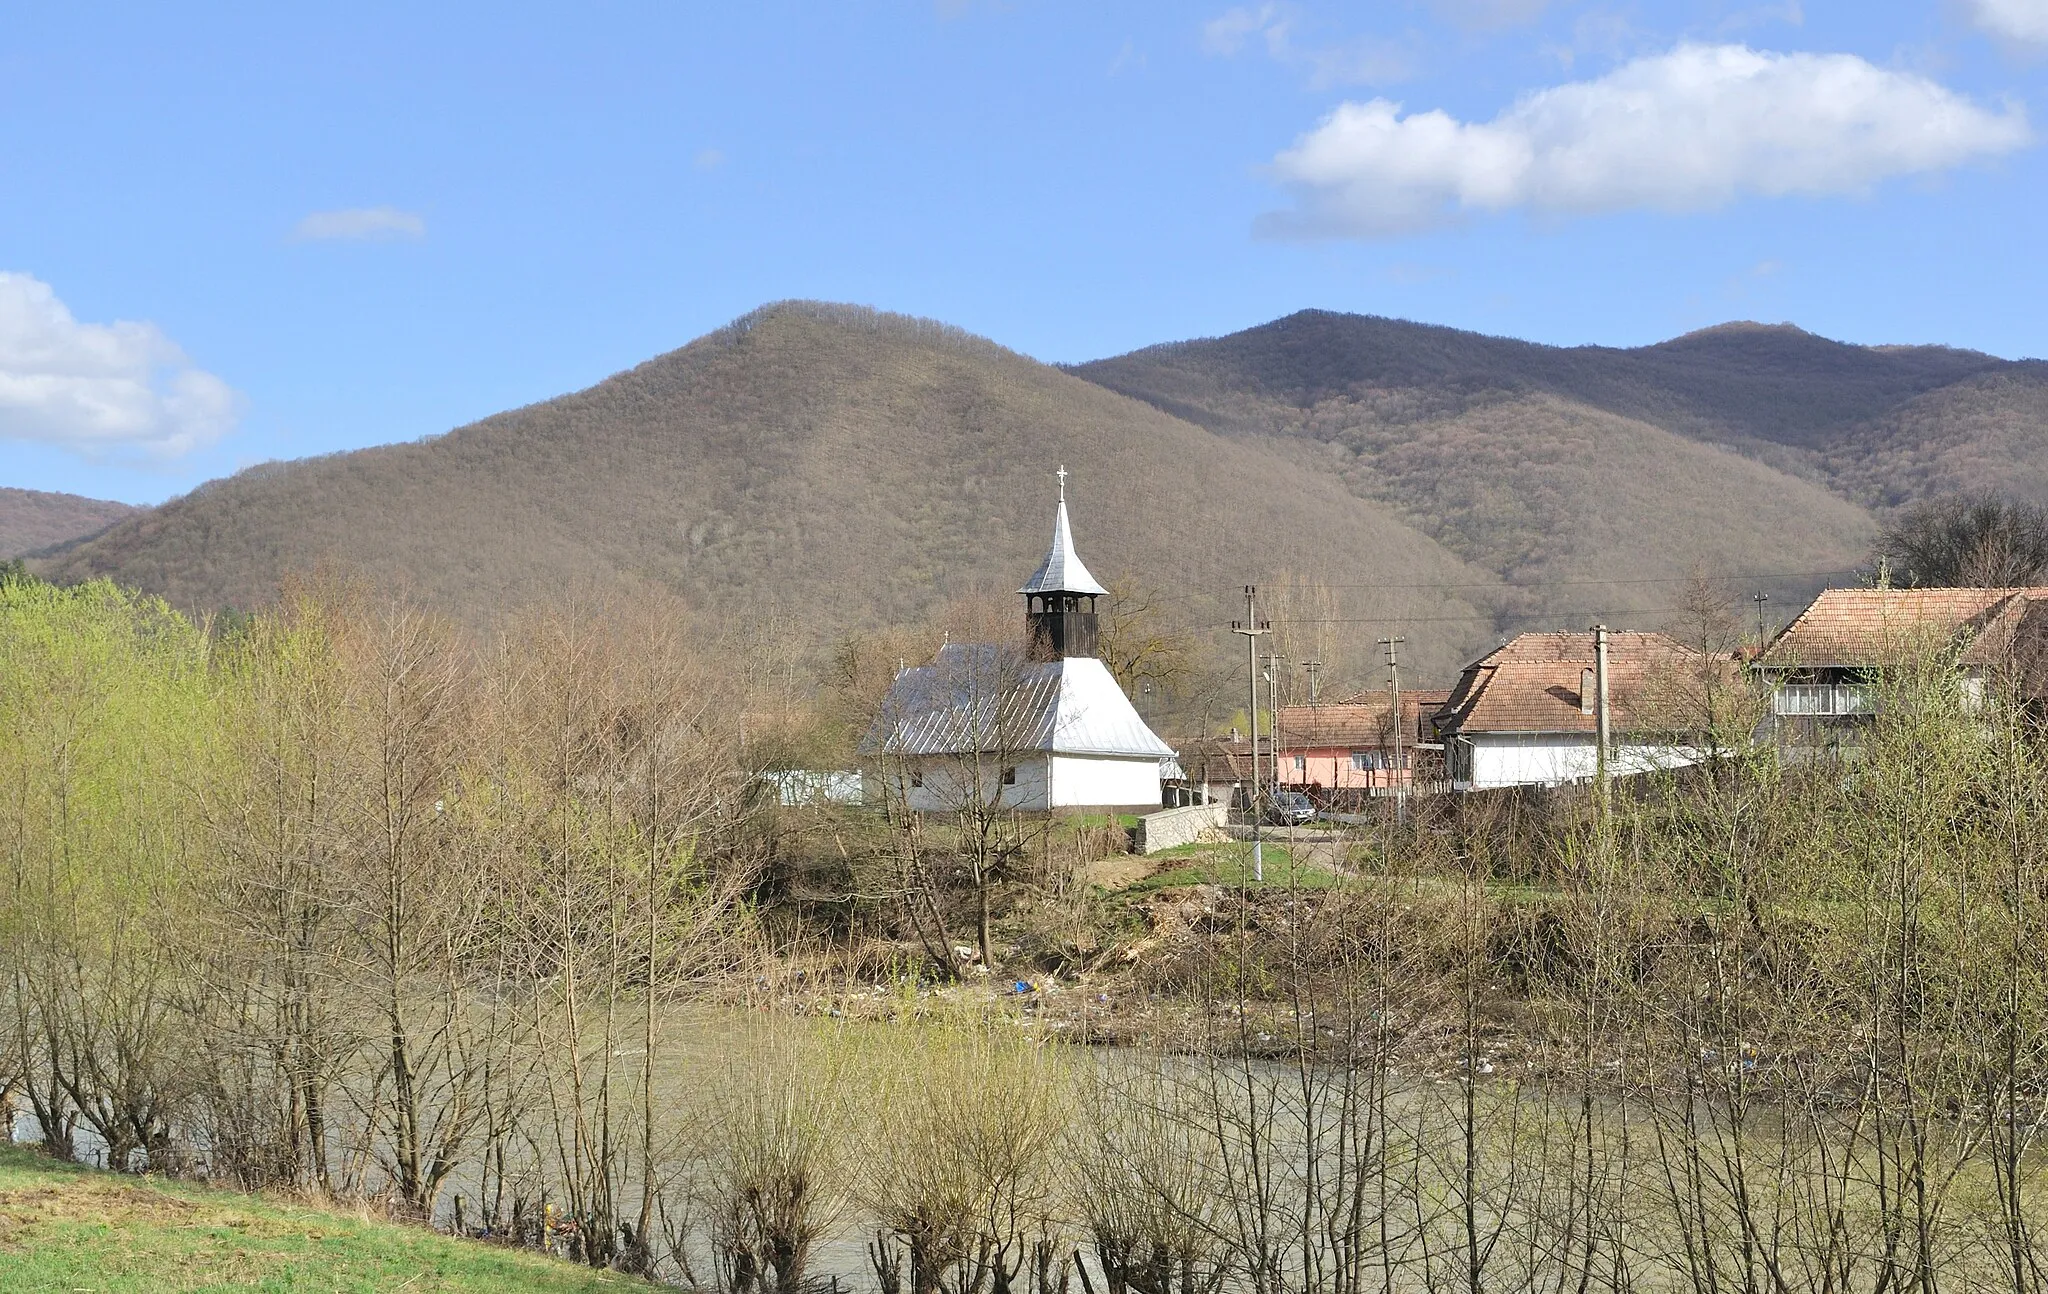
{"points": [[1505, 615], [1508, 585]]}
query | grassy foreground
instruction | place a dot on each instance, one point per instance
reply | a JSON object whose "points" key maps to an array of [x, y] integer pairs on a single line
{"points": [[65, 1228]]}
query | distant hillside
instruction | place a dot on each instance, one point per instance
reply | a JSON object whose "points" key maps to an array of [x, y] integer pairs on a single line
{"points": [[32, 519], [840, 469], [1741, 381], [1986, 432], [1875, 425], [836, 466], [1546, 464]]}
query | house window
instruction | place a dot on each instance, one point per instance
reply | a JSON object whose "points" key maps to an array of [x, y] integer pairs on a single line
{"points": [[1365, 761], [1010, 775], [1301, 763], [917, 779]]}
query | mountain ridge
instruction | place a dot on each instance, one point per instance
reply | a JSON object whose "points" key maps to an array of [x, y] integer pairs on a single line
{"points": [[844, 469], [34, 521]]}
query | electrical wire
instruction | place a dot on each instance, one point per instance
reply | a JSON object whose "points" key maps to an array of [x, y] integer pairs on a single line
{"points": [[1550, 584], [1505, 615]]}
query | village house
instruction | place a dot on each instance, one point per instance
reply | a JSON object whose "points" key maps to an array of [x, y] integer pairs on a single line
{"points": [[1040, 725], [1824, 669], [1339, 754], [1344, 752], [1524, 713]]}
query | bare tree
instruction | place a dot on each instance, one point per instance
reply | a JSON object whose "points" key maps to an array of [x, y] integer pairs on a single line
{"points": [[1976, 540], [1144, 650], [966, 739]]}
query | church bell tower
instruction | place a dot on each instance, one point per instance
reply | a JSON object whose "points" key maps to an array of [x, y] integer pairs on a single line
{"points": [[1059, 598]]}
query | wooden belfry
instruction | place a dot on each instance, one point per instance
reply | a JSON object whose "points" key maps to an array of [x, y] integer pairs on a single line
{"points": [[1059, 598]]}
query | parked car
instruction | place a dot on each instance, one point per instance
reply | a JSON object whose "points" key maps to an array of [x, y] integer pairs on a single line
{"points": [[1290, 809]]}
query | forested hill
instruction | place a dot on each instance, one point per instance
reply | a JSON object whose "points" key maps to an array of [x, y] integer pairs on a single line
{"points": [[844, 468], [1505, 450], [35, 519], [832, 466], [1742, 383]]}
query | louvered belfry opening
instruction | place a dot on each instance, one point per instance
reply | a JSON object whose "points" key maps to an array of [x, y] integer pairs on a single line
{"points": [[1062, 625], [1059, 598]]}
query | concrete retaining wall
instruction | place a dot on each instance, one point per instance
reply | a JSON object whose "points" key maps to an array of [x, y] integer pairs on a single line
{"points": [[1170, 827]]}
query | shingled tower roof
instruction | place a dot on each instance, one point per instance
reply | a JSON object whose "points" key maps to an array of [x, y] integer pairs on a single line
{"points": [[1062, 571]]}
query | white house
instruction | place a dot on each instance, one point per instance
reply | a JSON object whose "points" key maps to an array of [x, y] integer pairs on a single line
{"points": [[1522, 715], [1041, 725]]}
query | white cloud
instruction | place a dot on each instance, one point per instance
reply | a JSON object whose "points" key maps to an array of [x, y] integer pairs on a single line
{"points": [[2025, 21], [1227, 32], [708, 159], [1693, 128], [360, 224], [100, 388], [1365, 61]]}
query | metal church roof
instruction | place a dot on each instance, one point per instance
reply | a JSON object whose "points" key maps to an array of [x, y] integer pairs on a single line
{"points": [[985, 697], [1062, 571]]}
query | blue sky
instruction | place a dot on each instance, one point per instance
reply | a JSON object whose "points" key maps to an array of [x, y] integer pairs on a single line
{"points": [[237, 233]]}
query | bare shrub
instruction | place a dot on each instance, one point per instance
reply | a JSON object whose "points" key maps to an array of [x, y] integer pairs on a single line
{"points": [[777, 1168], [962, 1165]]}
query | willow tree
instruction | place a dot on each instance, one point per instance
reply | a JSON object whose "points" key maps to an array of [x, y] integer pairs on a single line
{"points": [[102, 702]]}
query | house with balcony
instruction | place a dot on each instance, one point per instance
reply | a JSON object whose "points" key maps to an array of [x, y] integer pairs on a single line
{"points": [[1825, 669]]}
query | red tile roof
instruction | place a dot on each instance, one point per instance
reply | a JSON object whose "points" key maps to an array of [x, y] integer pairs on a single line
{"points": [[1359, 722], [1533, 683], [1850, 627]]}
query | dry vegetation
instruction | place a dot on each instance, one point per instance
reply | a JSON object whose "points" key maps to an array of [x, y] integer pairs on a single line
{"points": [[839, 469], [346, 901], [31, 520], [1547, 463], [1743, 384], [821, 470], [1988, 432]]}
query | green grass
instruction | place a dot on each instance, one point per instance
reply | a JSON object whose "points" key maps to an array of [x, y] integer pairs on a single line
{"points": [[1228, 865], [1128, 821], [65, 1228]]}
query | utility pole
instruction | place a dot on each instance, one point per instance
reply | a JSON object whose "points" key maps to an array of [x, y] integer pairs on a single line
{"points": [[1272, 677], [1314, 667], [1760, 598], [1252, 627], [1601, 772], [1393, 646]]}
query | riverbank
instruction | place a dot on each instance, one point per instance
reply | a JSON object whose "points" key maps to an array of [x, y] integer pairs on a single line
{"points": [[64, 1227]]}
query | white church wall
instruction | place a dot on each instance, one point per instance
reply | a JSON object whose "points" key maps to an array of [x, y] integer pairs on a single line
{"points": [[1086, 781], [948, 785]]}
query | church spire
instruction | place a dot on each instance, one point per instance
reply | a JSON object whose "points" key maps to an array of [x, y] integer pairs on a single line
{"points": [[1059, 598], [1062, 571]]}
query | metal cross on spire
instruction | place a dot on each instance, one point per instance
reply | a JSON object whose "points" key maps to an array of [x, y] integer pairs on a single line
{"points": [[1062, 474]]}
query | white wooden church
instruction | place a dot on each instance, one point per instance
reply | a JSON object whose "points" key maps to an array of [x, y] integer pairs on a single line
{"points": [[1042, 726]]}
